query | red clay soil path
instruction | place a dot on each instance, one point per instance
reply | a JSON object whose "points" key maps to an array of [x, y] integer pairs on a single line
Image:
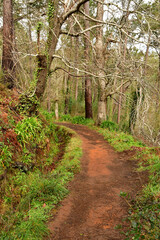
{"points": [[94, 207]]}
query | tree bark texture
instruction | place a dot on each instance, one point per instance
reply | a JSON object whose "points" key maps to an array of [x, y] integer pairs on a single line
{"points": [[7, 54], [88, 83], [159, 71], [100, 62], [76, 62], [42, 74], [56, 110], [66, 101], [123, 46]]}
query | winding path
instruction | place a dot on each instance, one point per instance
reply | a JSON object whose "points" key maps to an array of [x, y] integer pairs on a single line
{"points": [[94, 207]]}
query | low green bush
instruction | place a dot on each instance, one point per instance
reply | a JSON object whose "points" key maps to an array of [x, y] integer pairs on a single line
{"points": [[110, 125], [66, 117], [27, 129], [144, 214], [48, 115], [120, 140], [5, 157], [28, 105], [82, 120], [144, 219]]}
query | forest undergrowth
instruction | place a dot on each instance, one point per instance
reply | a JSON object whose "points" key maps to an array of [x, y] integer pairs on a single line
{"points": [[143, 219], [37, 160]]}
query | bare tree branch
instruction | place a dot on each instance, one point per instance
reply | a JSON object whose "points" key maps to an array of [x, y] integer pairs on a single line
{"points": [[73, 9], [73, 75], [82, 32]]}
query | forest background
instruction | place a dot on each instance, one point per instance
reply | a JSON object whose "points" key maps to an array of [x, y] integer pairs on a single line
{"points": [[81, 61], [99, 59]]}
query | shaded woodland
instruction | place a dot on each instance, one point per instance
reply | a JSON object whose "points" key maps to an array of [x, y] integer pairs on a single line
{"points": [[96, 59], [95, 63]]}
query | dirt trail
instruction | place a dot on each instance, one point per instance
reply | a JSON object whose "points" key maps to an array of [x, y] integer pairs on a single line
{"points": [[94, 206]]}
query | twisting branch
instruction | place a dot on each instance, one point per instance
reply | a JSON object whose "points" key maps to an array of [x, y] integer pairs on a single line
{"points": [[73, 9], [73, 75], [82, 32], [75, 68]]}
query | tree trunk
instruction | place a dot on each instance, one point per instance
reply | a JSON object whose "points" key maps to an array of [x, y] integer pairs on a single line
{"points": [[119, 105], [56, 21], [159, 72], [102, 105], [88, 85], [123, 53], [30, 49], [100, 65], [7, 55], [30, 43], [42, 74], [49, 96], [76, 61], [56, 110], [44, 61], [57, 105], [66, 102], [123, 47], [110, 109]]}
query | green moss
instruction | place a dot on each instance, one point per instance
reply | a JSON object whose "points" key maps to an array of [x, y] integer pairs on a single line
{"points": [[27, 105], [50, 10]]}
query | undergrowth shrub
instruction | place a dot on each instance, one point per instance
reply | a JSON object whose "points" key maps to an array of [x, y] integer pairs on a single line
{"points": [[27, 105], [28, 129], [34, 228], [66, 117], [82, 120], [5, 156], [120, 140], [29, 196], [77, 119], [124, 126], [144, 215], [110, 125], [48, 115], [144, 219]]}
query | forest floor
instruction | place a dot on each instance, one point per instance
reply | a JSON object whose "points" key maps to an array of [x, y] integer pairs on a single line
{"points": [[94, 206]]}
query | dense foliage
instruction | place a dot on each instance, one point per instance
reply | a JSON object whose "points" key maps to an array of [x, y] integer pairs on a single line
{"points": [[74, 59], [37, 159]]}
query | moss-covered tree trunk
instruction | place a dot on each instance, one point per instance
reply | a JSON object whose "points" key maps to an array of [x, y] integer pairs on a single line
{"points": [[42, 74], [44, 61], [56, 18]]}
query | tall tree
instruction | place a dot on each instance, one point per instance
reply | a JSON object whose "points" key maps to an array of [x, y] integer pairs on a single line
{"points": [[100, 62], [7, 55], [88, 84], [56, 19], [123, 48]]}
